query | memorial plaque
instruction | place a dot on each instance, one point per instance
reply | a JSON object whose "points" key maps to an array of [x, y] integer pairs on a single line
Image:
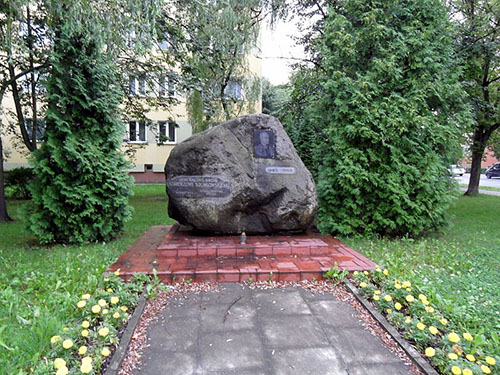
{"points": [[280, 170], [199, 187], [264, 144]]}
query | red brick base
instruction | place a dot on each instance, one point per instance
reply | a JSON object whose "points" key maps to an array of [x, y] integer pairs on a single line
{"points": [[178, 254]]}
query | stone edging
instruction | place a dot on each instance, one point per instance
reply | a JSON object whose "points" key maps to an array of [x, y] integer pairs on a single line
{"points": [[413, 354], [121, 350]]}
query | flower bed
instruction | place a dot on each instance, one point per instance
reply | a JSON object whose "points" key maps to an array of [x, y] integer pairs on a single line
{"points": [[448, 348], [85, 346]]}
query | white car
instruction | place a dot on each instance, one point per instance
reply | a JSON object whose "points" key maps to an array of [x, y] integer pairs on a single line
{"points": [[457, 170]]}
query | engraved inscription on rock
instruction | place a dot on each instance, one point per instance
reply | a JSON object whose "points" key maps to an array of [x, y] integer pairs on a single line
{"points": [[199, 187]]}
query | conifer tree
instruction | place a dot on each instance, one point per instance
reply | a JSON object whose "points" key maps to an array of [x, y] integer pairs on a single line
{"points": [[81, 190], [390, 115]]}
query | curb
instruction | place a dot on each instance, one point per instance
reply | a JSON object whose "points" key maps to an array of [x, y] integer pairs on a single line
{"points": [[121, 350], [414, 355]]}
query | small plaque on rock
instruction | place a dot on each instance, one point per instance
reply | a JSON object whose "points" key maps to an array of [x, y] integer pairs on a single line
{"points": [[199, 187], [280, 170], [264, 144]]}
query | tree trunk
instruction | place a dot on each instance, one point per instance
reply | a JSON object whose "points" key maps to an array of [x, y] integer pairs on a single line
{"points": [[475, 173], [4, 216]]}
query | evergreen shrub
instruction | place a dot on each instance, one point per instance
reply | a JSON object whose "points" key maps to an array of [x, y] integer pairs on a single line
{"points": [[81, 189], [17, 181]]}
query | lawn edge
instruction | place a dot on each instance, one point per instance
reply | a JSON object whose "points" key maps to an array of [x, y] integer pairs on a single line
{"points": [[122, 349], [413, 354]]}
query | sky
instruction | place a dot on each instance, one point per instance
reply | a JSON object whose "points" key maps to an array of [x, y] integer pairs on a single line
{"points": [[277, 48]]}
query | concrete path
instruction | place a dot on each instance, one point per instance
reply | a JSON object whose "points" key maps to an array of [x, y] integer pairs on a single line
{"points": [[482, 191], [242, 331]]}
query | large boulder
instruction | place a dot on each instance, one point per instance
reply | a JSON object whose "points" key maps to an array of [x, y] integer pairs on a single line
{"points": [[241, 176]]}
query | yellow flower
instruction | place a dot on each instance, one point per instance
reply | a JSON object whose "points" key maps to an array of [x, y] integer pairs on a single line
{"points": [[467, 336], [85, 324], [429, 309], [377, 292], [421, 326], [421, 297], [55, 339], [65, 329], [96, 309], [117, 272], [81, 304], [104, 331], [386, 272], [406, 284], [466, 371], [470, 358], [59, 362], [355, 273], [408, 320], [62, 371], [410, 298], [109, 290], [443, 321], [82, 350], [389, 311], [86, 368], [397, 286], [86, 296], [67, 344], [456, 370], [124, 308], [105, 311], [408, 289], [102, 303], [378, 270], [485, 369], [377, 266], [433, 330], [453, 337], [425, 302], [105, 352], [366, 273], [87, 360], [430, 352], [376, 298], [362, 284], [397, 306], [116, 315], [85, 333], [114, 300], [452, 356], [106, 279], [490, 361], [388, 298]]}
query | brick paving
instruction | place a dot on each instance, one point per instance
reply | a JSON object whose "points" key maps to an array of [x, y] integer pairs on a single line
{"points": [[178, 254]]}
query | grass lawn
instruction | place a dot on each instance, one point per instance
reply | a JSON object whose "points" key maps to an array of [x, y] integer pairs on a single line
{"points": [[38, 284], [459, 270]]}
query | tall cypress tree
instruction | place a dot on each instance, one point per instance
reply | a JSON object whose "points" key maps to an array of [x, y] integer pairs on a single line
{"points": [[81, 190], [392, 114]]}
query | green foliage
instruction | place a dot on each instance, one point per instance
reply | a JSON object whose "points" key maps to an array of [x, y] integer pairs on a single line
{"points": [[273, 97], [17, 180], [335, 274], [81, 188], [386, 120], [38, 284], [194, 106]]}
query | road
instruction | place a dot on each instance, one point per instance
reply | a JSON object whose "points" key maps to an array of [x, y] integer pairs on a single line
{"points": [[493, 182]]}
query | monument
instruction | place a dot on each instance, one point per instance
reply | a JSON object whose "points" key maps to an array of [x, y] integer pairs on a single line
{"points": [[240, 176]]}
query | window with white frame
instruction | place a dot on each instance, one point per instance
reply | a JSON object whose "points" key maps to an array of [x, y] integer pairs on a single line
{"points": [[136, 131], [234, 90], [137, 85], [167, 132], [166, 86]]}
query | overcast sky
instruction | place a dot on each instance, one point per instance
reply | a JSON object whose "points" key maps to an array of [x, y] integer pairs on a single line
{"points": [[277, 48]]}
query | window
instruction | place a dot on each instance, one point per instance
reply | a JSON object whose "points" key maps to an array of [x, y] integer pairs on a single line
{"points": [[40, 128], [166, 86], [136, 131], [167, 132], [137, 85], [234, 90]]}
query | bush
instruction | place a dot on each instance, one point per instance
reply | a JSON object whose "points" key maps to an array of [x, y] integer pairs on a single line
{"points": [[17, 180]]}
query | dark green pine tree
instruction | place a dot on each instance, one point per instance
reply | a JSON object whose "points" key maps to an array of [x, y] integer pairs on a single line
{"points": [[392, 115], [81, 190]]}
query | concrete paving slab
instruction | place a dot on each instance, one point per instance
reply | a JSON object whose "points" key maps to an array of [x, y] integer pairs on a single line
{"points": [[320, 360], [311, 335]]}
